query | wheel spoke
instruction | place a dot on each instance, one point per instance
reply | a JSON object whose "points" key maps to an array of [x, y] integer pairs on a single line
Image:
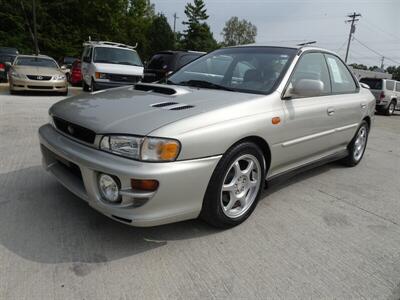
{"points": [[230, 186], [232, 200], [248, 169], [237, 169]]}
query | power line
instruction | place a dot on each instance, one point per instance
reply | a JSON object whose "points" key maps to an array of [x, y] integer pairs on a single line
{"points": [[376, 52]]}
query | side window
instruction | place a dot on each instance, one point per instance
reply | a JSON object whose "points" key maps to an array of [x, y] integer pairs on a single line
{"points": [[185, 59], [312, 66], [87, 55], [390, 85], [398, 86], [341, 79]]}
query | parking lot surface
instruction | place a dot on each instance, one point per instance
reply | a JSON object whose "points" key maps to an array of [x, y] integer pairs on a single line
{"points": [[332, 232]]}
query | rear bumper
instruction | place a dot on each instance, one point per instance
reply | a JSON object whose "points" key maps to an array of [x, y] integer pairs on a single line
{"points": [[182, 184], [37, 85]]}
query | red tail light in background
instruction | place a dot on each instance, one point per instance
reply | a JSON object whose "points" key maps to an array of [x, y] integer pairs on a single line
{"points": [[382, 95], [2, 67]]}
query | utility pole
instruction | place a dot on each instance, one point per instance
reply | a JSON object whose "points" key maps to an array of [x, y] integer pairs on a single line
{"points": [[352, 20], [175, 18], [35, 27], [382, 62]]}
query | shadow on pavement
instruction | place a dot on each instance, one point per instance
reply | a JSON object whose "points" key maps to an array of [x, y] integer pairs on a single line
{"points": [[42, 221]]}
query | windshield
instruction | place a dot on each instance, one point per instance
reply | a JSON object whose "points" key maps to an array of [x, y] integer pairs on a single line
{"points": [[161, 61], [36, 62], [373, 83], [242, 69], [116, 56]]}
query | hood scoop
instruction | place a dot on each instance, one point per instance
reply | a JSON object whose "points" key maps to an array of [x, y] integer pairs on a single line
{"points": [[155, 89], [172, 106]]}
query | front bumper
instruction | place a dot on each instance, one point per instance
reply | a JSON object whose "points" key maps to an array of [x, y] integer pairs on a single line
{"points": [[182, 184], [18, 84], [103, 85]]}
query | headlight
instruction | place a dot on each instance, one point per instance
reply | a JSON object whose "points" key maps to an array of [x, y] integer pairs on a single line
{"points": [[59, 77], [101, 75], [142, 148], [17, 75]]}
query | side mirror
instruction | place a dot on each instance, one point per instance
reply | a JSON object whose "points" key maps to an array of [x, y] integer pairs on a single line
{"points": [[365, 86], [305, 88], [63, 67], [8, 64], [169, 73]]}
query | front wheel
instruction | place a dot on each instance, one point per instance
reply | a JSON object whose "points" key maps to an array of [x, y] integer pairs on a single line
{"points": [[357, 146], [235, 186]]}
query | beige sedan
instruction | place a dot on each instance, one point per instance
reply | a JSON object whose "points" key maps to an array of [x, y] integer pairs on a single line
{"points": [[37, 73]]}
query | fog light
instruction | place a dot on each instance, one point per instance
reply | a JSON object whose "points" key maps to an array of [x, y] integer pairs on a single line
{"points": [[109, 188]]}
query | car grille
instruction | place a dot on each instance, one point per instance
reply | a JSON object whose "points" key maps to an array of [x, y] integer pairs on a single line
{"points": [[38, 77], [40, 87], [124, 78], [78, 132]]}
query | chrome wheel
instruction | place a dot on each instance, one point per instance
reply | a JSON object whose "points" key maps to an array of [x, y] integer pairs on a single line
{"points": [[240, 186], [391, 109], [360, 143]]}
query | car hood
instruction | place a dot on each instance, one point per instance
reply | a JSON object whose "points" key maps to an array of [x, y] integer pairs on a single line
{"points": [[119, 69], [29, 70], [127, 110]]}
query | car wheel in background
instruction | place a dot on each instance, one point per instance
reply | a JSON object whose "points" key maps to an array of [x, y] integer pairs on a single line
{"points": [[235, 186], [357, 146], [390, 109], [93, 86], [85, 86]]}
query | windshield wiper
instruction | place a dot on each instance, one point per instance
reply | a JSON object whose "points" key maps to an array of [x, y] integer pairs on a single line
{"points": [[205, 84]]}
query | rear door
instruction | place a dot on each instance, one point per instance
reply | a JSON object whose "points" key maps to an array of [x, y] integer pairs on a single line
{"points": [[349, 105], [85, 64]]}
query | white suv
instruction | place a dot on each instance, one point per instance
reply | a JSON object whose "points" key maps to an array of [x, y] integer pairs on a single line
{"points": [[106, 65]]}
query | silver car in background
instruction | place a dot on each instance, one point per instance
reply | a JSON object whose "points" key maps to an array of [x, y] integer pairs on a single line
{"points": [[204, 143], [386, 92], [37, 73]]}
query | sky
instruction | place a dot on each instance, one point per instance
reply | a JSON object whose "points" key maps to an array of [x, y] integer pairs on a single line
{"points": [[291, 21]]}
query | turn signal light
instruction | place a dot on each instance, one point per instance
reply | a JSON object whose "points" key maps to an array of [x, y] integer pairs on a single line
{"points": [[144, 185]]}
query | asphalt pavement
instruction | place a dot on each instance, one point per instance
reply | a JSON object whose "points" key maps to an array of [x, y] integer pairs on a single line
{"points": [[332, 232]]}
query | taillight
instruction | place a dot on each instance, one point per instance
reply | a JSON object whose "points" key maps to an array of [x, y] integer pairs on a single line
{"points": [[2, 67], [382, 95]]}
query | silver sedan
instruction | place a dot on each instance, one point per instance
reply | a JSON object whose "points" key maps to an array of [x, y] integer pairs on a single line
{"points": [[204, 142]]}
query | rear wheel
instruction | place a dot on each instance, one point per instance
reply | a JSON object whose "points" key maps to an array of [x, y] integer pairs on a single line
{"points": [[390, 109], [234, 188], [357, 145]]}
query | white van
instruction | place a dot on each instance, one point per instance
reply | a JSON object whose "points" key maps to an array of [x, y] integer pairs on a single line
{"points": [[106, 65]]}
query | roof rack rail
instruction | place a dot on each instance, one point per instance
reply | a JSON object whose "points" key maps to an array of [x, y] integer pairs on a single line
{"points": [[90, 43]]}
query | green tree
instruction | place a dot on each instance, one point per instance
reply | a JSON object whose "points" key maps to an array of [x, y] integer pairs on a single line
{"points": [[198, 35], [395, 71], [239, 32], [160, 34], [359, 66]]}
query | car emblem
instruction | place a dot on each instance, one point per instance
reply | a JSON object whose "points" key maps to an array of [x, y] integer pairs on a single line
{"points": [[40, 77], [70, 129]]}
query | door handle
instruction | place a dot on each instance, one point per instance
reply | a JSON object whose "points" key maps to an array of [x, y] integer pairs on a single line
{"points": [[363, 105], [331, 111]]}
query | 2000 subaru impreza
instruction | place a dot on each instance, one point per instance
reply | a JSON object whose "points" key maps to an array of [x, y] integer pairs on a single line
{"points": [[203, 143]]}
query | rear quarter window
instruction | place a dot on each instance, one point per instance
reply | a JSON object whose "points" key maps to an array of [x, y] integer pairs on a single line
{"points": [[373, 83], [398, 86], [390, 85]]}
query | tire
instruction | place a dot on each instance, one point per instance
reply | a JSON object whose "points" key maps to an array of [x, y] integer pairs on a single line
{"points": [[355, 152], [223, 208], [64, 93], [85, 87], [93, 86], [12, 92], [391, 108]]}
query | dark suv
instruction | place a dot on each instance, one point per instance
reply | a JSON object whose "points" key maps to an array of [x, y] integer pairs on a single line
{"points": [[165, 62], [7, 56]]}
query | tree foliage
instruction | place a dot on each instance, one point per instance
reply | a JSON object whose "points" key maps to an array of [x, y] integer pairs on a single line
{"points": [[395, 71], [198, 35], [359, 66], [238, 32]]}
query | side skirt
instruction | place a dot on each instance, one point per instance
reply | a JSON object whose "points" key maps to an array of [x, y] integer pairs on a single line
{"points": [[320, 162]]}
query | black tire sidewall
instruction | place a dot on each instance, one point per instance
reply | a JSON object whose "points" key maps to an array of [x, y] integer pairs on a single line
{"points": [[212, 211]]}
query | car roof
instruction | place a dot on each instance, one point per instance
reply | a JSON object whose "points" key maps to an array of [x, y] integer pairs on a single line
{"points": [[286, 45], [33, 56]]}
